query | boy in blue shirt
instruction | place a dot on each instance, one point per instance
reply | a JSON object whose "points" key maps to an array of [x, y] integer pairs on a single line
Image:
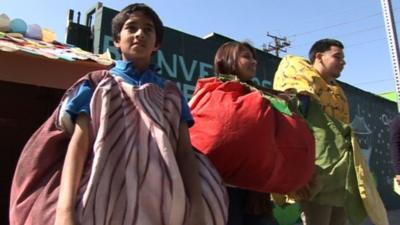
{"points": [[129, 159]]}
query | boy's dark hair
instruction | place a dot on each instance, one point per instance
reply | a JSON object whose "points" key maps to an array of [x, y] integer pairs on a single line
{"points": [[226, 57], [120, 19], [322, 46]]}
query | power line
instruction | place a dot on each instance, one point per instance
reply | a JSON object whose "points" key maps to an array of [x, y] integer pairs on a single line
{"points": [[335, 25], [355, 44], [360, 31], [374, 82], [338, 24], [330, 13], [335, 13], [365, 42], [344, 35]]}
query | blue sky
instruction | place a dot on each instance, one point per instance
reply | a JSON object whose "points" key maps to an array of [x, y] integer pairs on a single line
{"points": [[357, 23]]}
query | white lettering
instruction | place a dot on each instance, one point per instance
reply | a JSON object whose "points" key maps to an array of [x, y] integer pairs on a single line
{"points": [[186, 89], [203, 71], [256, 80], [266, 83], [188, 75], [162, 63], [178, 84]]}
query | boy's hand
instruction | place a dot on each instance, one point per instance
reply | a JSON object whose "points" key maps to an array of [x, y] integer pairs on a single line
{"points": [[302, 193], [188, 167], [64, 217]]}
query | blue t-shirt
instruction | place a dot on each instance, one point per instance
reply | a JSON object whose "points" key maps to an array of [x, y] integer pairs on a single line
{"points": [[80, 103]]}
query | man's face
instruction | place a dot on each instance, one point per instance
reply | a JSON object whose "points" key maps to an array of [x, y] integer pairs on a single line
{"points": [[333, 61], [137, 39]]}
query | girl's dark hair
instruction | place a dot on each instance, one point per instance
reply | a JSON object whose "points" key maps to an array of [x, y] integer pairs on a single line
{"points": [[120, 19], [322, 46], [226, 57]]}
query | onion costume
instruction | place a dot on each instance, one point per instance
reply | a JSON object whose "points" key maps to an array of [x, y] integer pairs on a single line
{"points": [[131, 176]]}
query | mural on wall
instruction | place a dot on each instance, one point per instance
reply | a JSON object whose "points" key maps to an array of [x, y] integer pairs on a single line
{"points": [[364, 134], [370, 116]]}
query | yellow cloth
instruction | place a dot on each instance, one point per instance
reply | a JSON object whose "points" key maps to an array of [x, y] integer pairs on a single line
{"points": [[295, 74], [369, 195]]}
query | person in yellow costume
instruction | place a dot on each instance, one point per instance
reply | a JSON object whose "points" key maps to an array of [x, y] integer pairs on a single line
{"points": [[342, 188]]}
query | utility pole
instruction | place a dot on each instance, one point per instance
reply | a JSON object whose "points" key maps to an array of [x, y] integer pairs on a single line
{"points": [[393, 43], [279, 44]]}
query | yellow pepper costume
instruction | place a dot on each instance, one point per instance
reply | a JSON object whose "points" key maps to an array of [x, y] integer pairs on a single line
{"points": [[296, 75]]}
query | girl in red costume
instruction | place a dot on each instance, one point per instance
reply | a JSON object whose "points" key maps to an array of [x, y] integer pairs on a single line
{"points": [[254, 140]]}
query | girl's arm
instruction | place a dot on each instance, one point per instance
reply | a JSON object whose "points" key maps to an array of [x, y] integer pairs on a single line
{"points": [[190, 175], [75, 159]]}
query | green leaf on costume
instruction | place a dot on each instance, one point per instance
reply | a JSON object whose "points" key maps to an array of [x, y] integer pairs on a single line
{"points": [[279, 105], [287, 215]]}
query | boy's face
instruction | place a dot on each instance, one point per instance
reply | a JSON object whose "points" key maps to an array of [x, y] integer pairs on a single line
{"points": [[137, 39]]}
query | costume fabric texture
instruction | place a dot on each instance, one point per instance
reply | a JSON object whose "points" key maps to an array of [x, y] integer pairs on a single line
{"points": [[297, 74], [132, 176], [254, 144], [342, 176]]}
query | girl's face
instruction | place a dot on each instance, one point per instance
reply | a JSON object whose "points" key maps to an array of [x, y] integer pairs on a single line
{"points": [[246, 64]]}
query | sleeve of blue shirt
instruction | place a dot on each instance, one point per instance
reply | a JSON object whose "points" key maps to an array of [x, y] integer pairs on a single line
{"points": [[186, 115], [80, 103]]}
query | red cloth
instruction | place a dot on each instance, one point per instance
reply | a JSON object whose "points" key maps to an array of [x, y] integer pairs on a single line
{"points": [[252, 145]]}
